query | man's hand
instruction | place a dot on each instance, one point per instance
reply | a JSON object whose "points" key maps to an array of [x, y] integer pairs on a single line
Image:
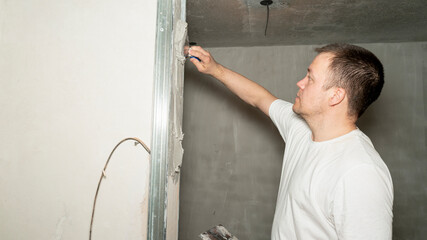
{"points": [[207, 63]]}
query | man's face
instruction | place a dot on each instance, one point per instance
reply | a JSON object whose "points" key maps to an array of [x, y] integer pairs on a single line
{"points": [[311, 98]]}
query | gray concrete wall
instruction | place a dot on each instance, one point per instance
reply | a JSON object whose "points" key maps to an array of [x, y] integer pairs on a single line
{"points": [[233, 153]]}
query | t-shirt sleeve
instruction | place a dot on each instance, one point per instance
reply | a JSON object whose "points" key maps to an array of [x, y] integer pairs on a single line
{"points": [[363, 203], [283, 117]]}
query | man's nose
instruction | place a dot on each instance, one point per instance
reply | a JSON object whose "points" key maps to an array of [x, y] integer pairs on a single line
{"points": [[301, 83]]}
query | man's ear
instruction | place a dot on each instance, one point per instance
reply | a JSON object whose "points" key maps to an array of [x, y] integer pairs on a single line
{"points": [[337, 96]]}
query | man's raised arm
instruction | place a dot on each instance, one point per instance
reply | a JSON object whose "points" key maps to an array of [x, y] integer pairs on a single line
{"points": [[249, 91]]}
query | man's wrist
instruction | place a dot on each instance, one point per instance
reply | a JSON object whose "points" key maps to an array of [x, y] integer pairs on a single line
{"points": [[219, 72]]}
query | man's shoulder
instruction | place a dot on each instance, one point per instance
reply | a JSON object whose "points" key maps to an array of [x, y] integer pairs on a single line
{"points": [[357, 153], [350, 152], [280, 106], [359, 149]]}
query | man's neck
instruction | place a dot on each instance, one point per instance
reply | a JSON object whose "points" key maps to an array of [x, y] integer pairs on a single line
{"points": [[327, 128]]}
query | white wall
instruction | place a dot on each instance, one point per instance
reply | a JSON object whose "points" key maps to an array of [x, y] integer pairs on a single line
{"points": [[75, 78]]}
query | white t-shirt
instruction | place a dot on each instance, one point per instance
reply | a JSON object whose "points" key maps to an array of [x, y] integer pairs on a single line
{"points": [[335, 189]]}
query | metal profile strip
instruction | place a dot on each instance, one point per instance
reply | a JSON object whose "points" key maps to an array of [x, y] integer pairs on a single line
{"points": [[161, 104]]}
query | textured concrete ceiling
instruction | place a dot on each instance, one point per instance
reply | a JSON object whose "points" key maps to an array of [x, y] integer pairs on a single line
{"points": [[215, 23]]}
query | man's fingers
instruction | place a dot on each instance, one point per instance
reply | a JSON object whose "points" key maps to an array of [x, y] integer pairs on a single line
{"points": [[198, 64], [203, 60], [202, 57], [200, 53], [195, 52]]}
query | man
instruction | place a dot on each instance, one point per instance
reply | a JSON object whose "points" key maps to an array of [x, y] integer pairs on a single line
{"points": [[334, 184]]}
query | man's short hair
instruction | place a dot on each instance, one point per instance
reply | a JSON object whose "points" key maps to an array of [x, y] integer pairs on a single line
{"points": [[356, 70]]}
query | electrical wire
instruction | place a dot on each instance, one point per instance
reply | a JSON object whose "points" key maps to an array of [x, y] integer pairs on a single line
{"points": [[268, 16], [103, 174]]}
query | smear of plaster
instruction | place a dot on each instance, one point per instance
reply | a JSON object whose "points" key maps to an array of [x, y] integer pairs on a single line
{"points": [[176, 151], [179, 40]]}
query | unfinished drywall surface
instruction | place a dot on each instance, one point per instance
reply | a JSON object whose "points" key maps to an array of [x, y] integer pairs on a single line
{"points": [[176, 136], [233, 153], [75, 78]]}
